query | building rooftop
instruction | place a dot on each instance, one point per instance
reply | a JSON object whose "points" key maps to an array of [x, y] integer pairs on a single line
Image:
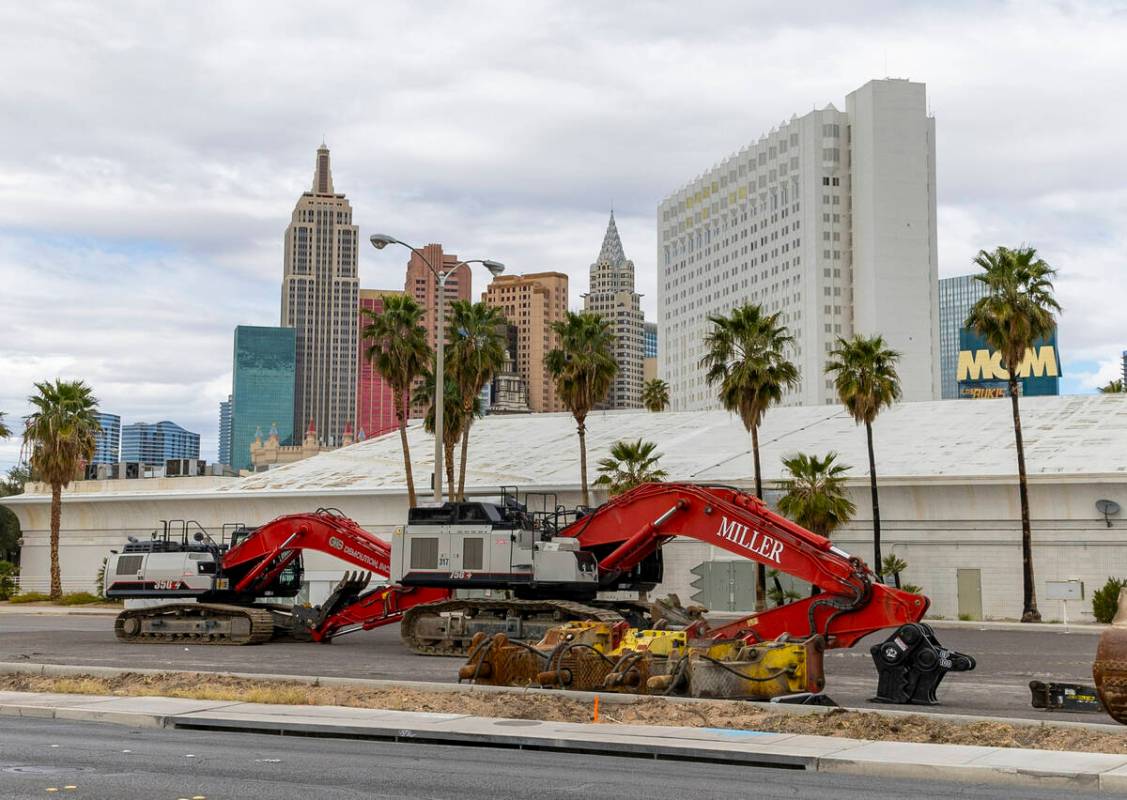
{"points": [[1072, 436]]}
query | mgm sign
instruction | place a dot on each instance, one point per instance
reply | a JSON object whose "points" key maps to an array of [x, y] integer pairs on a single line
{"points": [[980, 372]]}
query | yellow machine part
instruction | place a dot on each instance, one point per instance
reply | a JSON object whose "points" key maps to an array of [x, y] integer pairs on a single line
{"points": [[582, 655], [759, 672]]}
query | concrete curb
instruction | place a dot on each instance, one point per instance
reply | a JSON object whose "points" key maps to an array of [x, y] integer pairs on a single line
{"points": [[903, 760], [69, 670], [57, 611]]}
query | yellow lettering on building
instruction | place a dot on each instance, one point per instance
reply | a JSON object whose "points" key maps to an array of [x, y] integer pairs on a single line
{"points": [[982, 365], [1039, 363]]}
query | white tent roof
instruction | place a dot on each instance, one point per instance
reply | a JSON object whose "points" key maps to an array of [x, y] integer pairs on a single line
{"points": [[1074, 436]]}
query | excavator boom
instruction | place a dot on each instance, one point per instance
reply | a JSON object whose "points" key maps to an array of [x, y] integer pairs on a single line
{"points": [[849, 606]]}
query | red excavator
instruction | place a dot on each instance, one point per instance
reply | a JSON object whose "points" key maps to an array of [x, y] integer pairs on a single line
{"points": [[546, 568]]}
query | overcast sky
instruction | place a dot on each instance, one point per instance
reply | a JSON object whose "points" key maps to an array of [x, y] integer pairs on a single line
{"points": [[151, 154]]}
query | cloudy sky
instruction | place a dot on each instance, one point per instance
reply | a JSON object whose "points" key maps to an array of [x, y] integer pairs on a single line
{"points": [[151, 153]]}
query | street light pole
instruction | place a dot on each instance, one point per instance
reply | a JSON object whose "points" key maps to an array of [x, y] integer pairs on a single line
{"points": [[380, 241]]}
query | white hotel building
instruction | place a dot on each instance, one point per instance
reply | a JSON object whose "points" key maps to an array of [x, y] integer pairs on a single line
{"points": [[828, 219]]}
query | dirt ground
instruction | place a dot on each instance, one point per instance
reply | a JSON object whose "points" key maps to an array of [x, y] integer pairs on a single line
{"points": [[652, 711]]}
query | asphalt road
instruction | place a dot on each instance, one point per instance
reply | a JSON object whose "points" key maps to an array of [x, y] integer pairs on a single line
{"points": [[52, 758], [1007, 660]]}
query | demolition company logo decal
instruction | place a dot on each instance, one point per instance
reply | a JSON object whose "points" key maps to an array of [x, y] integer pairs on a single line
{"points": [[337, 544], [755, 542]]}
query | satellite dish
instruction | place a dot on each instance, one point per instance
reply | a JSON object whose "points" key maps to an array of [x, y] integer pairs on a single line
{"points": [[1107, 508]]}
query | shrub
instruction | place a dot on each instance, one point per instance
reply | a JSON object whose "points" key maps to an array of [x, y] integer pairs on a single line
{"points": [[8, 573], [79, 599], [1105, 600], [29, 597]]}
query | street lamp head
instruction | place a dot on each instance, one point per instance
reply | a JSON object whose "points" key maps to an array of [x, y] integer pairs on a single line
{"points": [[382, 240], [495, 267]]}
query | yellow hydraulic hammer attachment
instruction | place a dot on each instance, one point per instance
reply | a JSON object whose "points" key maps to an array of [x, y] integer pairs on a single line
{"points": [[758, 672]]}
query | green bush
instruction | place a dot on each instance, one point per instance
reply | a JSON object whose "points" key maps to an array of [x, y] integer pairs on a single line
{"points": [[8, 573], [79, 599], [1105, 601], [29, 597]]}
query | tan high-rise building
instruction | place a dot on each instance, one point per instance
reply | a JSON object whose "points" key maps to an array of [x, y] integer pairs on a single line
{"points": [[421, 285], [531, 303], [320, 300], [612, 297]]}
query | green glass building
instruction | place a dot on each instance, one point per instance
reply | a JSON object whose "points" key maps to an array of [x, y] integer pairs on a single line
{"points": [[262, 387]]}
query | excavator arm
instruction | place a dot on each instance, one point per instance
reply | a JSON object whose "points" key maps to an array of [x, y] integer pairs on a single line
{"points": [[258, 559], [849, 606]]}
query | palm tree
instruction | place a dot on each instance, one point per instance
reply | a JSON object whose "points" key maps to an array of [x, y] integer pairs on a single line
{"points": [[474, 353], [815, 495], [1113, 387], [59, 437], [744, 355], [865, 377], [583, 368], [5, 431], [453, 420], [1018, 311], [630, 464], [400, 354], [655, 395]]}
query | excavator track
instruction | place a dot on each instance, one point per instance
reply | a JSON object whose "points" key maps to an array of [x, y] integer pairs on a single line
{"points": [[200, 623], [447, 627]]}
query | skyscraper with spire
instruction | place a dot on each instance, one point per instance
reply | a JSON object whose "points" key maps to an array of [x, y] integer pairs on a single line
{"points": [[320, 301], [612, 296]]}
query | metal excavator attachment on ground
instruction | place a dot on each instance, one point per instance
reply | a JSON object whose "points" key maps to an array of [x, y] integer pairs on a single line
{"points": [[599, 657], [911, 664]]}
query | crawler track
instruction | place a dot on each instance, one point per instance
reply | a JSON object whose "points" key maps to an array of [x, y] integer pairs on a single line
{"points": [[202, 623]]}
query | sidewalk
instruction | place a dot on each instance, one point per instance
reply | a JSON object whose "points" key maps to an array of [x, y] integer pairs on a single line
{"points": [[980, 765]]}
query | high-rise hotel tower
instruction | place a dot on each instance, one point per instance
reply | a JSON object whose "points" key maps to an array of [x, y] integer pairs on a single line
{"points": [[320, 300], [828, 219]]}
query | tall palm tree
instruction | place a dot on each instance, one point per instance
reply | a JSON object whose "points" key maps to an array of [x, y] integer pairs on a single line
{"points": [[453, 420], [400, 354], [744, 356], [583, 368], [865, 378], [475, 352], [59, 435], [1113, 387], [815, 495], [5, 431], [1019, 310], [655, 395], [629, 464]]}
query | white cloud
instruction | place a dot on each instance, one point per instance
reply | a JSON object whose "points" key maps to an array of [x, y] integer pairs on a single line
{"points": [[152, 154]]}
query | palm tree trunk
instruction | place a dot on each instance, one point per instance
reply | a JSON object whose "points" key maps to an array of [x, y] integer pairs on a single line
{"points": [[401, 416], [876, 502], [582, 428], [760, 569], [448, 447], [465, 449], [56, 523], [1029, 611]]}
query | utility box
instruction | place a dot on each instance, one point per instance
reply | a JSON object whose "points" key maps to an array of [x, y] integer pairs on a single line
{"points": [[1064, 590]]}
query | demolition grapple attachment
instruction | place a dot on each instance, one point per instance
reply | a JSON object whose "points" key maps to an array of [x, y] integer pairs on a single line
{"points": [[911, 664]]}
